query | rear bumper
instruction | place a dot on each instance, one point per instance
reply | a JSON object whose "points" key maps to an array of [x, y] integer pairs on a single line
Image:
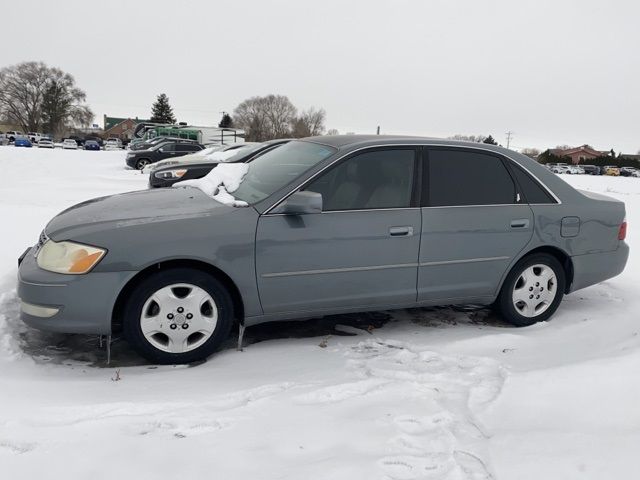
{"points": [[67, 303], [594, 268]]}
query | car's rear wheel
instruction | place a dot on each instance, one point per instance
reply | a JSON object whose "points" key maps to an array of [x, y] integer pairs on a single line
{"points": [[143, 162], [178, 316], [533, 290]]}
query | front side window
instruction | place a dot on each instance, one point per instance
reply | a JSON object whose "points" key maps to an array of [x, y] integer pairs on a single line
{"points": [[463, 177], [169, 147], [278, 167], [371, 180]]}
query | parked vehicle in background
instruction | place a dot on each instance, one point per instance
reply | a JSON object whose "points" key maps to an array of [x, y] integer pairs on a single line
{"points": [[155, 141], [45, 143], [139, 159], [199, 156], [113, 144], [197, 166], [636, 174], [611, 170], [69, 144], [99, 140], [203, 135], [576, 170], [22, 141], [627, 171], [560, 168], [332, 222], [35, 136], [91, 145], [12, 135], [592, 170]]}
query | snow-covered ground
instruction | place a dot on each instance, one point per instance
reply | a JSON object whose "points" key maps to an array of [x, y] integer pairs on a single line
{"points": [[448, 393]]}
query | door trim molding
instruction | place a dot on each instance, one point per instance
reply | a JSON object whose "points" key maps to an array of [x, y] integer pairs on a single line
{"points": [[466, 260], [338, 270]]}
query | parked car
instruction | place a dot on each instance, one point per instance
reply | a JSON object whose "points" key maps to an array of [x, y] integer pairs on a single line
{"points": [[611, 170], [113, 144], [592, 170], [12, 135], [22, 141], [91, 145], [196, 166], [45, 143], [155, 141], [575, 170], [627, 171], [35, 137], [199, 156], [141, 158], [559, 169], [69, 144], [334, 224]]}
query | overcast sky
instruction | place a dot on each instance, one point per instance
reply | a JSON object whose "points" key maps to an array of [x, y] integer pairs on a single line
{"points": [[553, 72]]}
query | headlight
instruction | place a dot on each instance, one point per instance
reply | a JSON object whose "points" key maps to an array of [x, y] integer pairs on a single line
{"points": [[68, 257], [171, 173]]}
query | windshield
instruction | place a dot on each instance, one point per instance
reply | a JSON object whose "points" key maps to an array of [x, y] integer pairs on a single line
{"points": [[278, 167]]}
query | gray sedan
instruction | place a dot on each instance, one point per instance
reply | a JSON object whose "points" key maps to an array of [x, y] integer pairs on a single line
{"points": [[333, 225]]}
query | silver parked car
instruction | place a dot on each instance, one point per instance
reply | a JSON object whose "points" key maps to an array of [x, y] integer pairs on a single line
{"points": [[333, 225]]}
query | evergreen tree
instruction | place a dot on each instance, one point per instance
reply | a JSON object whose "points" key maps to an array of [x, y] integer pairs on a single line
{"points": [[490, 141], [161, 111], [226, 122]]}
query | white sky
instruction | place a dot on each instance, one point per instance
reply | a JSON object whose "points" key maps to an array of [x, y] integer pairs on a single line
{"points": [[554, 72]]}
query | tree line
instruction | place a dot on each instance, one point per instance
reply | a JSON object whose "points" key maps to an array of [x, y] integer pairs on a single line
{"points": [[42, 98]]}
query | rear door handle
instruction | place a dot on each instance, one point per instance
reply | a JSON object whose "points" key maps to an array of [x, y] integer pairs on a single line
{"points": [[520, 223], [401, 231]]}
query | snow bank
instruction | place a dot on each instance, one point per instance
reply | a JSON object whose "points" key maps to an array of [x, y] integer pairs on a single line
{"points": [[220, 182]]}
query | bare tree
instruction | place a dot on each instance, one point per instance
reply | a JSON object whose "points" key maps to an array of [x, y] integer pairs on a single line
{"points": [[469, 138], [530, 152], [309, 124], [265, 118], [32, 94], [333, 131]]}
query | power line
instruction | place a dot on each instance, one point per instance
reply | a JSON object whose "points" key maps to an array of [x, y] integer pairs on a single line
{"points": [[509, 134]]}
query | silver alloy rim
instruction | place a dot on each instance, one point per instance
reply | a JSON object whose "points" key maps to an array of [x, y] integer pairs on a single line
{"points": [[179, 318], [142, 164], [535, 290]]}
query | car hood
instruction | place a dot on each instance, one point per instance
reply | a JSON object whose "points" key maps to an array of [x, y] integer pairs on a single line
{"points": [[133, 208]]}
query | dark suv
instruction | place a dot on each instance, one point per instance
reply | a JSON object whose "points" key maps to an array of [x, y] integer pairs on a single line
{"points": [[592, 170], [155, 141], [141, 158]]}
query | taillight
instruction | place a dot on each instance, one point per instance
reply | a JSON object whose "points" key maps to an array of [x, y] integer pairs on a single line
{"points": [[622, 233]]}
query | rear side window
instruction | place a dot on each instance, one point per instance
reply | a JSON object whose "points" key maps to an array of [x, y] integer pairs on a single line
{"points": [[532, 190], [462, 177]]}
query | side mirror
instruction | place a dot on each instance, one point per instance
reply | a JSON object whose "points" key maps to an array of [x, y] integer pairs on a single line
{"points": [[301, 203], [161, 149]]}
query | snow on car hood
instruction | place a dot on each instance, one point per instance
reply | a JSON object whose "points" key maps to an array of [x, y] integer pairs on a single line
{"points": [[220, 182], [211, 154]]}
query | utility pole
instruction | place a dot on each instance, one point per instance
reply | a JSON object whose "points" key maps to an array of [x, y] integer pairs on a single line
{"points": [[509, 134], [378, 131]]}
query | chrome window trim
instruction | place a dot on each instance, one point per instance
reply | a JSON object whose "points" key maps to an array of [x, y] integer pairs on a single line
{"points": [[425, 144]]}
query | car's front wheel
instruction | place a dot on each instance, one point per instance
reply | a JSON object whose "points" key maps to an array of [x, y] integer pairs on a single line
{"points": [[178, 316], [532, 290], [143, 162]]}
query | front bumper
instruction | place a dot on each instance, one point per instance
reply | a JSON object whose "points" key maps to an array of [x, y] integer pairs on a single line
{"points": [[82, 303], [593, 268]]}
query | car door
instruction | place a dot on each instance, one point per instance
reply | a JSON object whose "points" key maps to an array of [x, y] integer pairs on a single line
{"points": [[474, 222], [360, 252], [166, 151]]}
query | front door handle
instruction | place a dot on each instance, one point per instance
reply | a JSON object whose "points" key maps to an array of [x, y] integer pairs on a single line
{"points": [[401, 231], [520, 223]]}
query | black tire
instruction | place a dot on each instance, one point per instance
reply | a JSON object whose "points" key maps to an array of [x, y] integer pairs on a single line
{"points": [[143, 162], [136, 300], [505, 304]]}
